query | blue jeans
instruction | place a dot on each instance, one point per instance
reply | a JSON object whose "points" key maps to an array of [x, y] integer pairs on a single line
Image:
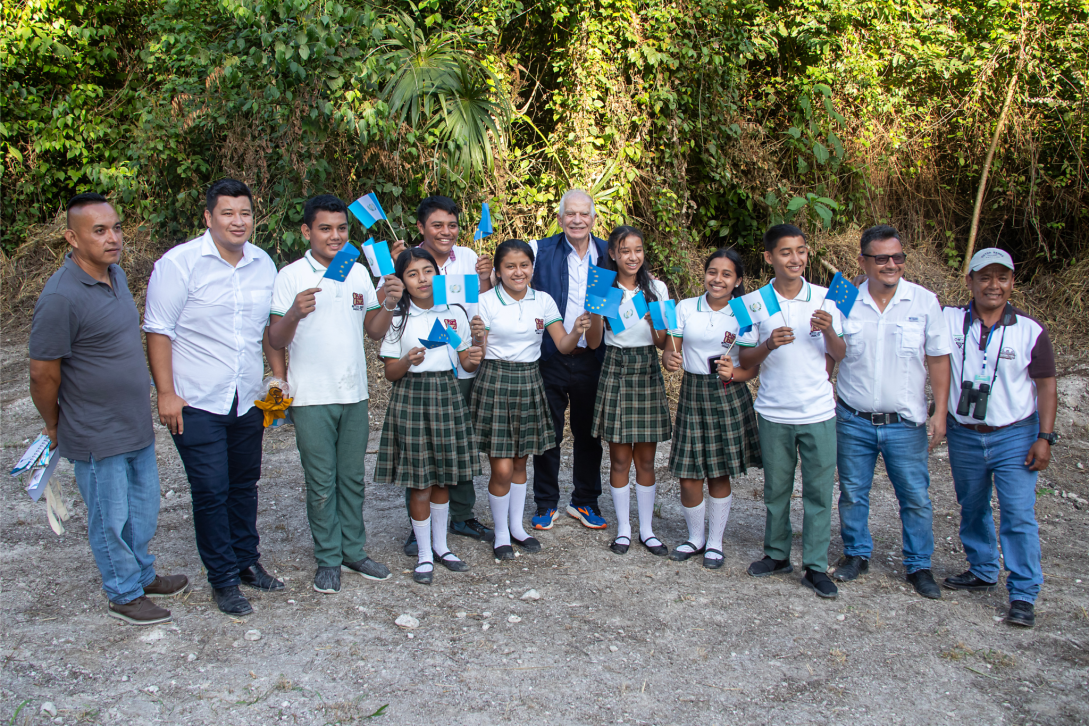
{"points": [[903, 446], [122, 497], [977, 460]]}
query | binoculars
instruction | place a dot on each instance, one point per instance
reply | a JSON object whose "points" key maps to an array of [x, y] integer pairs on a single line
{"points": [[970, 395]]}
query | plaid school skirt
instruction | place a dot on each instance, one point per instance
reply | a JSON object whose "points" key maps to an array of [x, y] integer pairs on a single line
{"points": [[631, 402], [427, 437], [510, 411], [717, 433]]}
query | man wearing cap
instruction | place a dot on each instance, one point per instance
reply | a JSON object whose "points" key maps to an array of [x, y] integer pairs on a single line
{"points": [[1000, 429], [895, 333]]}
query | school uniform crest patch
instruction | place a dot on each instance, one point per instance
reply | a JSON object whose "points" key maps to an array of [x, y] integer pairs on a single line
{"points": [[358, 301], [728, 339], [540, 324], [452, 323]]}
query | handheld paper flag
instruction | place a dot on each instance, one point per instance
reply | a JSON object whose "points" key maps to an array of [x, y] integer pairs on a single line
{"points": [[440, 336], [451, 289], [367, 209], [755, 307], [842, 293], [37, 454], [607, 305], [630, 312], [378, 258], [599, 281], [342, 263], [663, 313], [485, 227]]}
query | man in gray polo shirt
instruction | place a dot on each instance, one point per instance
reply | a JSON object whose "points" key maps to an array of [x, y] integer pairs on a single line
{"points": [[89, 381]]}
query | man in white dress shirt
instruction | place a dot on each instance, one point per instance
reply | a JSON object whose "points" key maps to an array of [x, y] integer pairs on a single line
{"points": [[895, 334], [208, 304]]}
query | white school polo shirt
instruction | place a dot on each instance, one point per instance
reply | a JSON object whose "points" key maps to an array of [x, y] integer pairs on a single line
{"points": [[516, 327], [884, 370], [327, 363], [794, 385], [639, 333], [462, 261], [1023, 354], [215, 316], [705, 333], [418, 327]]}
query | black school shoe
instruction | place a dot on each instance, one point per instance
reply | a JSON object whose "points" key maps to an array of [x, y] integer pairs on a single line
{"points": [[231, 600], [658, 550], [256, 577], [503, 552], [473, 529], [968, 581], [529, 544], [850, 567], [679, 555], [1022, 614], [923, 582], [768, 566], [820, 583]]}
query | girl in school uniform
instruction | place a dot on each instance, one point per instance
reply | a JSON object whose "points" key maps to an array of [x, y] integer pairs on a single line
{"points": [[510, 411], [716, 434], [631, 411], [427, 437]]}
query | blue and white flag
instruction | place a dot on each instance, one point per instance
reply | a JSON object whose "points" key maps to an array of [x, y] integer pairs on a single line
{"points": [[663, 313], [456, 289], [378, 257], [367, 209], [485, 227], [599, 281], [342, 263], [756, 307], [439, 336], [630, 312], [842, 293], [607, 305]]}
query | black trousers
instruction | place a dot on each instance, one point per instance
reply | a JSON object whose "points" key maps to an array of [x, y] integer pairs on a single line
{"points": [[570, 379], [222, 458]]}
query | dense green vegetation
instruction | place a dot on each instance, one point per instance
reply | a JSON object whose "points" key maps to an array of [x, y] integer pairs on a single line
{"points": [[700, 120]]}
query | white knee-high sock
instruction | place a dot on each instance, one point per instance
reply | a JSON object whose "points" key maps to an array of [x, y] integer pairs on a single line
{"points": [[644, 497], [517, 510], [500, 516], [622, 505], [440, 515], [718, 515], [693, 517], [423, 537]]}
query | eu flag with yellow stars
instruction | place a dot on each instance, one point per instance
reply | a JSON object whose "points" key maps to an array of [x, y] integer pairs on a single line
{"points": [[341, 265], [599, 281], [842, 293], [607, 305]]}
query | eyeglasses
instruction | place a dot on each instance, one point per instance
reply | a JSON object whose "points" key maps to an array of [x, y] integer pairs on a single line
{"points": [[898, 258]]}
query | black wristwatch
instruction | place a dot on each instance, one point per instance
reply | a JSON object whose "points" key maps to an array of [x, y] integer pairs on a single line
{"points": [[1049, 438]]}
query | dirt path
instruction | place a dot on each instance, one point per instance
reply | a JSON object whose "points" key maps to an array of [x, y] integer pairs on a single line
{"points": [[632, 639]]}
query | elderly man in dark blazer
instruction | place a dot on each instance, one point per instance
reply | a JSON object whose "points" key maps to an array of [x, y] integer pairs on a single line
{"points": [[561, 269]]}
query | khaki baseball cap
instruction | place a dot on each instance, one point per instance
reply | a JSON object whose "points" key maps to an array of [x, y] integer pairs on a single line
{"points": [[990, 256]]}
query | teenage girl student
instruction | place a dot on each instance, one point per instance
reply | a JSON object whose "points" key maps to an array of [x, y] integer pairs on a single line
{"points": [[631, 412], [717, 434], [510, 411], [427, 437]]}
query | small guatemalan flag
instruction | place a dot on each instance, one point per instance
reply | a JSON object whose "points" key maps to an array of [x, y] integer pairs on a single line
{"points": [[456, 289], [756, 307], [378, 257], [630, 312], [663, 313], [367, 209]]}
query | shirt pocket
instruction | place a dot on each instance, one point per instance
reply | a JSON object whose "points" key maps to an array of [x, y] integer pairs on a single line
{"points": [[910, 339], [260, 304], [854, 339]]}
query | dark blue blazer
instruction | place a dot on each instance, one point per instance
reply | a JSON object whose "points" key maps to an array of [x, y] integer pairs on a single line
{"points": [[550, 275]]}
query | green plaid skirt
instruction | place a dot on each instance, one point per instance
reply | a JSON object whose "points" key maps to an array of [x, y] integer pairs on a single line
{"points": [[717, 433], [510, 411], [631, 402], [427, 437]]}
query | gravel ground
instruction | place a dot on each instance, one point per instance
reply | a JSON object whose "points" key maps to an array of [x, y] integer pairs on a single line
{"points": [[632, 639]]}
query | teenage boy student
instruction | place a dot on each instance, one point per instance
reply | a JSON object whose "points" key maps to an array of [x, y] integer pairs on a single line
{"points": [[321, 323], [89, 381], [1001, 427], [207, 309], [437, 223], [895, 333], [796, 350]]}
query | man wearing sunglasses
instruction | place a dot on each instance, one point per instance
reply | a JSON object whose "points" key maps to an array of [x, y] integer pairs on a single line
{"points": [[894, 334]]}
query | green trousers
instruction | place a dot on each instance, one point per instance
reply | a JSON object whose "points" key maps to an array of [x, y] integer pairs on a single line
{"points": [[462, 494], [332, 441], [780, 445]]}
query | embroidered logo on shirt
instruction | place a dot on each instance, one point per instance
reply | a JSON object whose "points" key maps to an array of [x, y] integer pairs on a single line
{"points": [[358, 303], [959, 340], [540, 325], [452, 324], [1008, 353], [729, 339]]}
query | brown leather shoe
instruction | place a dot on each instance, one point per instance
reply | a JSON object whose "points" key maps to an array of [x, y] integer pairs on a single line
{"points": [[140, 611], [166, 586]]}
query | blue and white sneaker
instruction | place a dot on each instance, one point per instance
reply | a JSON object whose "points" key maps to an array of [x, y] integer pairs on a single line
{"points": [[544, 518], [587, 516]]}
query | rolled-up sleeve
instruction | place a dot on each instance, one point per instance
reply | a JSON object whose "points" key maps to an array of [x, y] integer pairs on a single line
{"points": [[167, 292]]}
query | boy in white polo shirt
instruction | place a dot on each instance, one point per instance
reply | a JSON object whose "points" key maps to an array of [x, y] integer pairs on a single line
{"points": [[796, 350], [321, 323]]}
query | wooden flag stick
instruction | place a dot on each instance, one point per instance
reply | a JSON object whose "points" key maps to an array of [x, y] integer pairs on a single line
{"points": [[391, 231], [673, 341]]}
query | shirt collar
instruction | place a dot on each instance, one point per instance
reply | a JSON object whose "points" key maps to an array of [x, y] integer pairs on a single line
{"points": [[904, 291], [81, 274], [415, 310], [208, 248], [1008, 315], [530, 295], [705, 307], [804, 295], [314, 264], [591, 250]]}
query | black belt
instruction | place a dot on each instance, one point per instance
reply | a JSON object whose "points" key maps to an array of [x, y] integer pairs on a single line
{"points": [[877, 419]]}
